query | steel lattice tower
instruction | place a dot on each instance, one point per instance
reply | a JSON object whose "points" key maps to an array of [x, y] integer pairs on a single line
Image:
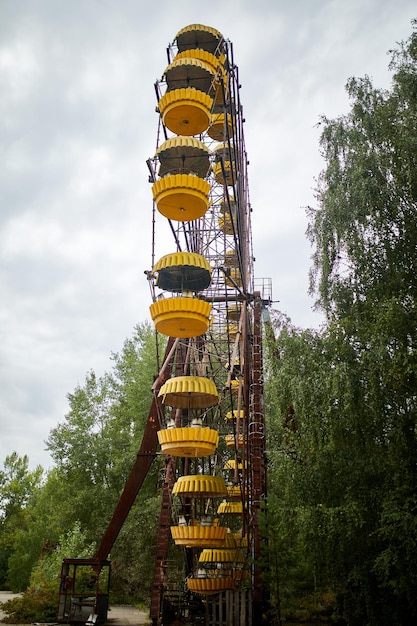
{"points": [[206, 418], [211, 414]]}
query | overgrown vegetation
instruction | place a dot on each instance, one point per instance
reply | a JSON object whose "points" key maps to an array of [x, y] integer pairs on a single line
{"points": [[38, 602], [94, 449], [342, 402]]}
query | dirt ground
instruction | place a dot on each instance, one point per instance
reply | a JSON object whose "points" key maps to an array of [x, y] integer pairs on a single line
{"points": [[118, 615]]}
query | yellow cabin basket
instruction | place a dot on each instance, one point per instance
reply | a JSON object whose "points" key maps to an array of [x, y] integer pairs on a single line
{"points": [[231, 258], [232, 331], [191, 442], [225, 224], [210, 586], [230, 415], [199, 36], [215, 62], [181, 197], [189, 72], [235, 441], [220, 127], [183, 155], [230, 508], [224, 175], [231, 465], [200, 486], [182, 271], [233, 312], [198, 536], [221, 555], [234, 492], [234, 278], [228, 207], [235, 386], [186, 111], [181, 317], [189, 392]]}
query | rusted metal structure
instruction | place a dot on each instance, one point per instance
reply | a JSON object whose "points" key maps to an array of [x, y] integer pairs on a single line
{"points": [[207, 414]]}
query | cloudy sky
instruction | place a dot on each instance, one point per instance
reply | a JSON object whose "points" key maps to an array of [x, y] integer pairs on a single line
{"points": [[77, 123]]}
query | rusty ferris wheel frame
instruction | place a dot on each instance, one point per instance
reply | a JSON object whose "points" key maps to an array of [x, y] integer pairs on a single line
{"points": [[207, 303]]}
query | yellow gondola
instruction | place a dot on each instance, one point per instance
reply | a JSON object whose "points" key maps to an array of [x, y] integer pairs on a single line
{"points": [[189, 392], [186, 110], [183, 73], [200, 486], [181, 197], [197, 536], [181, 317], [188, 442], [199, 36], [221, 127], [182, 271], [209, 586], [183, 155]]}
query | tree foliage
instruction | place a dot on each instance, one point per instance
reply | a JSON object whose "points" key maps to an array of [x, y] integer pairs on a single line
{"points": [[364, 231], [39, 600], [343, 437], [94, 449], [18, 489]]}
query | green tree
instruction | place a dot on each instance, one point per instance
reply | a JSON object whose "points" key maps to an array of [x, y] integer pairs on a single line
{"points": [[18, 486], [38, 602], [365, 268], [364, 231], [94, 449], [49, 512], [343, 459], [133, 559]]}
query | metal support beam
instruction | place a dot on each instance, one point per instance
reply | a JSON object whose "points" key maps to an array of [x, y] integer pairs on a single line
{"points": [[258, 465], [144, 459], [163, 541]]}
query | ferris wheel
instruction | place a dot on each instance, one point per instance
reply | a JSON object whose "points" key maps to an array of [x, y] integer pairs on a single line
{"points": [[206, 417], [209, 393]]}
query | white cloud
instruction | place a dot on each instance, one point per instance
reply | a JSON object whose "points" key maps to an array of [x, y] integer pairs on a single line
{"points": [[78, 121]]}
